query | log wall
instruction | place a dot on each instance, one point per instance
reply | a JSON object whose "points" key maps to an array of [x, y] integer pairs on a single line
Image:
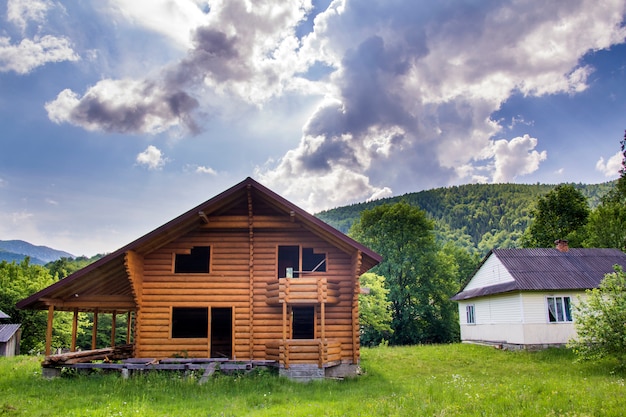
{"points": [[237, 282]]}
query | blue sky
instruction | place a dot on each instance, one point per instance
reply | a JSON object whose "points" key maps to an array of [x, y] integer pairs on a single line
{"points": [[117, 116]]}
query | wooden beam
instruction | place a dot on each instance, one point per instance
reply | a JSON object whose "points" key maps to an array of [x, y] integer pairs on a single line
{"points": [[74, 330], [49, 330]]}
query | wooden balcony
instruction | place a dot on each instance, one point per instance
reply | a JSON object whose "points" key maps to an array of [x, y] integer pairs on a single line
{"points": [[309, 290], [322, 352]]}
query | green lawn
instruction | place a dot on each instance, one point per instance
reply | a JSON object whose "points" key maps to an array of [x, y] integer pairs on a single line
{"points": [[448, 380]]}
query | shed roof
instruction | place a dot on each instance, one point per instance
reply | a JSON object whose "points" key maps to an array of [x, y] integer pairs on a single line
{"points": [[548, 269], [3, 315], [106, 280], [7, 331]]}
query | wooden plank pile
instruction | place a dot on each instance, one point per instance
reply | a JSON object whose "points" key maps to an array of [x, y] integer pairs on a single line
{"points": [[107, 354]]}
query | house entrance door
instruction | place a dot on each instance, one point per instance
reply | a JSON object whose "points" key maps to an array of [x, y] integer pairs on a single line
{"points": [[221, 332], [303, 324]]}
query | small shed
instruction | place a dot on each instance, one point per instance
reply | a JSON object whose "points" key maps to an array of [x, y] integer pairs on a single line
{"points": [[246, 275], [9, 337], [525, 297]]}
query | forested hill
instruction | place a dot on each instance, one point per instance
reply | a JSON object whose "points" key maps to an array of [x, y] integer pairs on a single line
{"points": [[480, 216]]}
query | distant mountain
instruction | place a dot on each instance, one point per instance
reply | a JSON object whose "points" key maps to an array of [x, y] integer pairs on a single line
{"points": [[16, 250]]}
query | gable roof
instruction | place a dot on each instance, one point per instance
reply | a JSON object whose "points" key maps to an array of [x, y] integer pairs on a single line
{"points": [[107, 278], [548, 269], [7, 331], [3, 315]]}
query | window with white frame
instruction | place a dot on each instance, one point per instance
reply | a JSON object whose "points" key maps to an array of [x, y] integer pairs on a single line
{"points": [[470, 314], [559, 309]]}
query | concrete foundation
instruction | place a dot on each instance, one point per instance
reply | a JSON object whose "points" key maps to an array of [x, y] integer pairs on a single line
{"points": [[311, 372], [50, 373]]}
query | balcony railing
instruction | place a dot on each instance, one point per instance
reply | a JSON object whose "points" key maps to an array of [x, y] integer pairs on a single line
{"points": [[324, 353], [303, 291]]}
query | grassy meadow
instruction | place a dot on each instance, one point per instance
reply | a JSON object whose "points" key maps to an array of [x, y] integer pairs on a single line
{"points": [[445, 380]]}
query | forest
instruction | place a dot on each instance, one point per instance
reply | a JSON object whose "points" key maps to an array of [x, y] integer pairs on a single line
{"points": [[476, 217]]}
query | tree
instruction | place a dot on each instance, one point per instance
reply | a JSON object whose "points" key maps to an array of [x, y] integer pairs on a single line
{"points": [[19, 281], [420, 278], [607, 223], [601, 320], [561, 214], [374, 310]]}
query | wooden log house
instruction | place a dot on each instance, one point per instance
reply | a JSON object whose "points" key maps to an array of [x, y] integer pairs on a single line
{"points": [[246, 275]]}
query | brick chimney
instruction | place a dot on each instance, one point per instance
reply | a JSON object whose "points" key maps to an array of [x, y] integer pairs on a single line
{"points": [[561, 245]]}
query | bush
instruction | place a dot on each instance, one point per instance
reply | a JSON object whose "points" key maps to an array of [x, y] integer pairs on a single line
{"points": [[601, 320]]}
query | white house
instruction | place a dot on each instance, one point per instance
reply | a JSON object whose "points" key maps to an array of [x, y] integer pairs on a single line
{"points": [[524, 297]]}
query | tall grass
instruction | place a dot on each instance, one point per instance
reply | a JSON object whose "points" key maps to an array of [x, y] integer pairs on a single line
{"points": [[448, 380]]}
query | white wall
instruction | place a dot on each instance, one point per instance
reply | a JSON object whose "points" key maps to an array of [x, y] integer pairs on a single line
{"points": [[518, 318], [498, 319], [492, 272]]}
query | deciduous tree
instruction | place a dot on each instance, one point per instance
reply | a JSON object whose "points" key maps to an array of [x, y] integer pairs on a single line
{"points": [[374, 310], [561, 214], [420, 278]]}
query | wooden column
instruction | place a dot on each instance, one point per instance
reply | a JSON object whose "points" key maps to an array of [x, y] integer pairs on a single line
{"points": [[129, 319], [284, 321], [49, 330], [74, 330], [113, 326], [94, 330]]}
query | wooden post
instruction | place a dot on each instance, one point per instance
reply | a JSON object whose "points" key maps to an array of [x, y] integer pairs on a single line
{"points": [[94, 330], [74, 330], [113, 326], [49, 330], [129, 319]]}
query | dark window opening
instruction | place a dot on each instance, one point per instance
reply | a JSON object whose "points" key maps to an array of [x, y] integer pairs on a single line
{"points": [[313, 262], [288, 261], [303, 324], [197, 262], [221, 332], [190, 322]]}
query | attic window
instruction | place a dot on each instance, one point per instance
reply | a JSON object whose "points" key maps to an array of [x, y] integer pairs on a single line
{"points": [[559, 309], [289, 265], [196, 262]]}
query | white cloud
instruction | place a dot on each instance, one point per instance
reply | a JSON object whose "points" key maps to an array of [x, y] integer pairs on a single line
{"points": [[610, 168], [152, 158], [174, 19], [30, 54], [205, 170], [125, 106], [515, 158], [22, 12]]}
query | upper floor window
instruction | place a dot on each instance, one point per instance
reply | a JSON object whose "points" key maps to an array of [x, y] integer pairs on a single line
{"points": [[196, 262], [559, 309], [295, 262]]}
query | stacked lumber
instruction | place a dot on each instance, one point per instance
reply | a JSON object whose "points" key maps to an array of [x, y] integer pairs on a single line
{"points": [[106, 354]]}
